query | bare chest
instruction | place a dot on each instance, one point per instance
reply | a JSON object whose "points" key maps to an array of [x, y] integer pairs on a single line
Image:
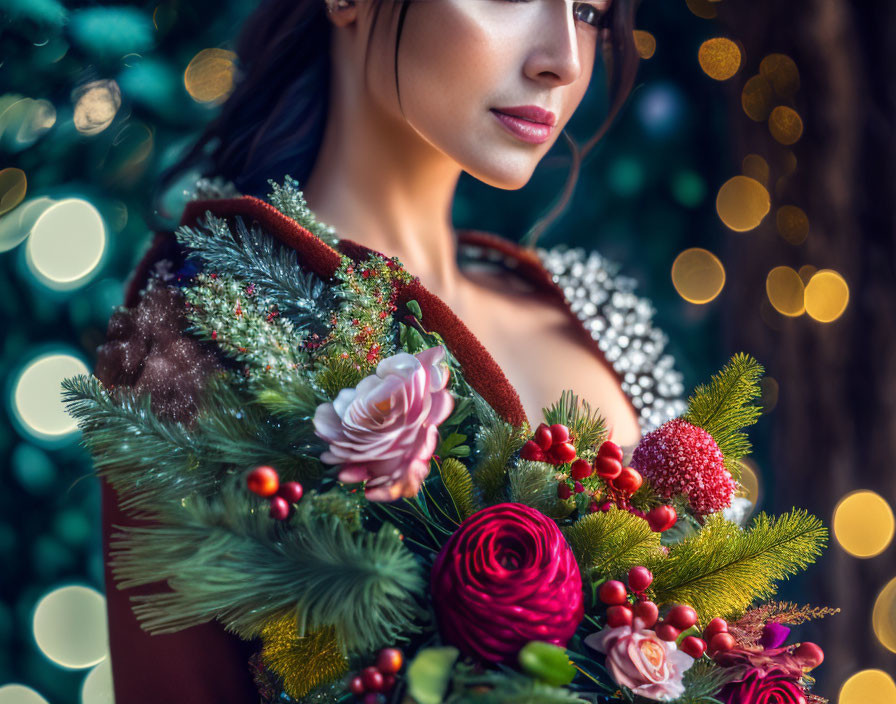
{"points": [[542, 353]]}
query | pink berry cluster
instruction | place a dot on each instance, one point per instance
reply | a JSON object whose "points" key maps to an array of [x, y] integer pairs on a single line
{"points": [[677, 621], [265, 482], [371, 683]]}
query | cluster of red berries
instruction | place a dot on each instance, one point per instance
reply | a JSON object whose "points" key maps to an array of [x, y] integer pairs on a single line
{"points": [[552, 444], [265, 482], [370, 683], [680, 618]]}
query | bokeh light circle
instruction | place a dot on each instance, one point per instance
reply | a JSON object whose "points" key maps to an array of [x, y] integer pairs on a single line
{"points": [[827, 295], [782, 74], [792, 223], [868, 687], [756, 98], [742, 203], [702, 8], [67, 244], [698, 275], [883, 618], [756, 168], [97, 685], [785, 124], [37, 395], [749, 482], [720, 58], [785, 291], [16, 225], [70, 626], [96, 105], [645, 43], [863, 523], [20, 694], [13, 185], [208, 77]]}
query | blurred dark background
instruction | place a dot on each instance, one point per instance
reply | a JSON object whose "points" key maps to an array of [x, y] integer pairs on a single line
{"points": [[759, 142]]}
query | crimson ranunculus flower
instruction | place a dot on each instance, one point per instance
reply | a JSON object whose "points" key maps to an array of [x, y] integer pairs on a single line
{"points": [[758, 686], [506, 577]]}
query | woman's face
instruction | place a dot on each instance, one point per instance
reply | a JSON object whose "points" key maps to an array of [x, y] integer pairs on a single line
{"points": [[461, 62]]}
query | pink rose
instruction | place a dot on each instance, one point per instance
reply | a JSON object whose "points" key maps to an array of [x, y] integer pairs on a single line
{"points": [[507, 576], [384, 431], [639, 660]]}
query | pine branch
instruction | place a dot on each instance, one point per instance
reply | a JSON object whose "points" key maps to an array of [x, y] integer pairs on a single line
{"points": [[364, 585], [702, 680], [534, 484], [607, 545], [722, 407], [289, 200], [505, 686], [496, 442], [459, 484], [722, 569], [587, 427]]}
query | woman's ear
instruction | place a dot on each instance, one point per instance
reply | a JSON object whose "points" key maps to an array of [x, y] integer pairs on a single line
{"points": [[342, 12]]}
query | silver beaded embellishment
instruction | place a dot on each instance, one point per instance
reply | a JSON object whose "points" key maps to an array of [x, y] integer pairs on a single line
{"points": [[621, 324]]}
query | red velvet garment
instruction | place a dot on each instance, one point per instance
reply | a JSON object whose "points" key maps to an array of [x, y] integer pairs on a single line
{"points": [[206, 664]]}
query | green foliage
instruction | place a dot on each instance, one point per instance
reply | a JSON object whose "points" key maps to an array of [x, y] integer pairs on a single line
{"points": [[429, 674], [723, 407], [496, 442], [534, 484], [588, 428], [607, 545], [505, 686], [225, 558], [459, 484], [722, 569], [702, 680], [289, 200], [336, 373]]}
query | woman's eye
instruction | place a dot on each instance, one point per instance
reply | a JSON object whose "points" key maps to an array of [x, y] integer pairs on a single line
{"points": [[588, 13]]}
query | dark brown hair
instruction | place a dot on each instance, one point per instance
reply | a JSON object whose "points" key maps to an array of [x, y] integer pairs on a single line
{"points": [[272, 123]]}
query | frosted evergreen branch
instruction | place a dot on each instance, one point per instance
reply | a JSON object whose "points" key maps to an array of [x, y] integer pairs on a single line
{"points": [[290, 201], [365, 585]]}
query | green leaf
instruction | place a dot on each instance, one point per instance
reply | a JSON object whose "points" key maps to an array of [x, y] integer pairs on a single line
{"points": [[546, 662], [414, 308], [429, 674]]}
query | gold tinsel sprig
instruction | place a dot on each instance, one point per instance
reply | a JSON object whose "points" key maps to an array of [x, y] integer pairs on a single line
{"points": [[304, 663]]}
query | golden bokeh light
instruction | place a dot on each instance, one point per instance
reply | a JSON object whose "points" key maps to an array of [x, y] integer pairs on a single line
{"points": [[742, 203], [703, 8], [13, 186], [645, 43], [782, 73], [749, 484], [698, 275], [70, 626], [37, 395], [756, 98], [785, 124], [769, 398], [96, 104], [807, 271], [863, 523], [208, 77], [786, 291], [868, 687], [792, 223], [19, 694], [756, 168], [97, 685], [66, 244], [720, 58], [827, 295], [883, 618]]}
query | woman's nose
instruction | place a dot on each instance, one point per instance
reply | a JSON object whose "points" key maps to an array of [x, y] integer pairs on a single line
{"points": [[555, 54]]}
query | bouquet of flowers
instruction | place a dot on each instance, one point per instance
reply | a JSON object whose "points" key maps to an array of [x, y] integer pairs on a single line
{"points": [[344, 496]]}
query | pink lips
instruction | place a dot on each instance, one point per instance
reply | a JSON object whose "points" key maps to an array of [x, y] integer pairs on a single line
{"points": [[529, 123]]}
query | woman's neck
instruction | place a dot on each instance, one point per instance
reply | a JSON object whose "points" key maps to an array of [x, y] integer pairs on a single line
{"points": [[380, 184]]}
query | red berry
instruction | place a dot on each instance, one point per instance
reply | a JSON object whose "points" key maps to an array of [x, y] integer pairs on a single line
{"points": [[372, 678], [809, 655], [578, 487], [593, 507], [543, 437], [610, 449], [648, 612], [532, 451], [693, 646], [373, 698], [661, 518], [717, 625], [721, 642], [388, 682], [389, 661], [628, 481], [563, 452], [666, 631], [682, 617], [607, 467], [559, 432], [613, 592], [580, 469], [356, 686], [279, 508], [563, 490], [619, 616], [291, 491], [263, 481], [639, 578]]}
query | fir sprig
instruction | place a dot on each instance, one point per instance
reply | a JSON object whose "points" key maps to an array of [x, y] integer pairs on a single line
{"points": [[586, 426], [723, 407], [496, 441], [535, 484], [289, 200], [723, 568], [226, 558]]}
